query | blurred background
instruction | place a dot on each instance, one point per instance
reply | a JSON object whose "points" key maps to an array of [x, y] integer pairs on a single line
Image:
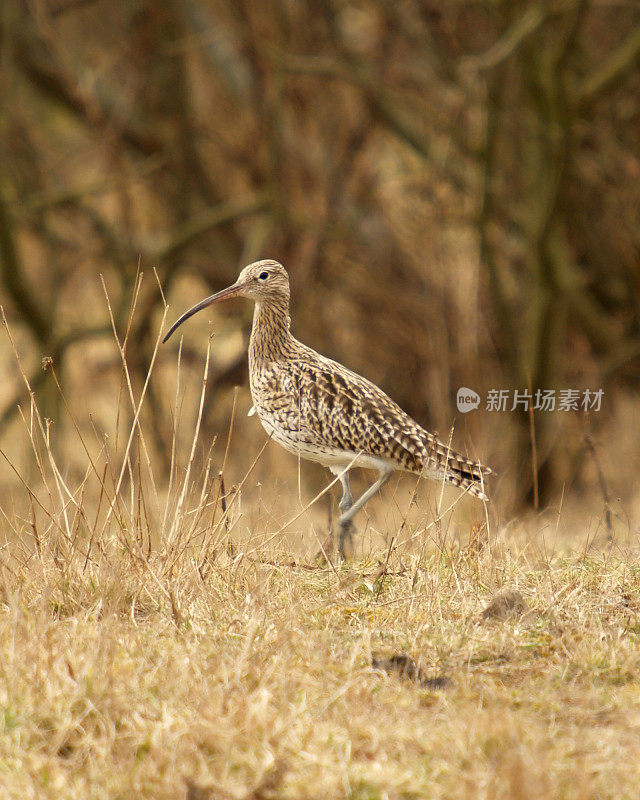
{"points": [[454, 188]]}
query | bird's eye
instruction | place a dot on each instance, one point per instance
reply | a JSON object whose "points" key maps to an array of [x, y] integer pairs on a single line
{"points": [[263, 276]]}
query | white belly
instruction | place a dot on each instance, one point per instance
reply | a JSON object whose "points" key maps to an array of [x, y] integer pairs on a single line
{"points": [[335, 459]]}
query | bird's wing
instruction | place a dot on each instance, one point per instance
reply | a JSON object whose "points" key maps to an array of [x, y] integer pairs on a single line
{"points": [[341, 409]]}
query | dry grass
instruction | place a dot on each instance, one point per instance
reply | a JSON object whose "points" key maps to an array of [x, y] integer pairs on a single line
{"points": [[257, 678], [142, 657]]}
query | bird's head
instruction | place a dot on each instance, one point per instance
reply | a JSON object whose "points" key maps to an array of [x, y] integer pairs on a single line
{"points": [[264, 282]]}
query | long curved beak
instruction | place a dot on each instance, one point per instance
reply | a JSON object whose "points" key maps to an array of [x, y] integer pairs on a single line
{"points": [[225, 294]]}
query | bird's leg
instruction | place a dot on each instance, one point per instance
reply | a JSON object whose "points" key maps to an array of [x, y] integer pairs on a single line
{"points": [[347, 527], [346, 501], [346, 530], [352, 510], [349, 508]]}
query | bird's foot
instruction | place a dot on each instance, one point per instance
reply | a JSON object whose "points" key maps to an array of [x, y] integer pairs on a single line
{"points": [[345, 542]]}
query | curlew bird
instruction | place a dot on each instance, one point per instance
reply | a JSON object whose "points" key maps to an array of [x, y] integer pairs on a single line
{"points": [[319, 410]]}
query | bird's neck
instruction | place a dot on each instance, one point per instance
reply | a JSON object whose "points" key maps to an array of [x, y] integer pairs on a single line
{"points": [[270, 335]]}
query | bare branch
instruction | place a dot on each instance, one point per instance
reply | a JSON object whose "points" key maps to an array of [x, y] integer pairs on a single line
{"points": [[184, 235], [13, 278], [528, 23], [612, 71]]}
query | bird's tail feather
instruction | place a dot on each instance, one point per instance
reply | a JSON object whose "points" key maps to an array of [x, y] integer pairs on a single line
{"points": [[467, 475]]}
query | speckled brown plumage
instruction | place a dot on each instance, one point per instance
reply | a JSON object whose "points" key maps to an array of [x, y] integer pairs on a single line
{"points": [[318, 409]]}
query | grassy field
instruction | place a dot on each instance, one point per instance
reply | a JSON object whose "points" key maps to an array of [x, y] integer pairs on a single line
{"points": [[138, 676], [180, 640]]}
